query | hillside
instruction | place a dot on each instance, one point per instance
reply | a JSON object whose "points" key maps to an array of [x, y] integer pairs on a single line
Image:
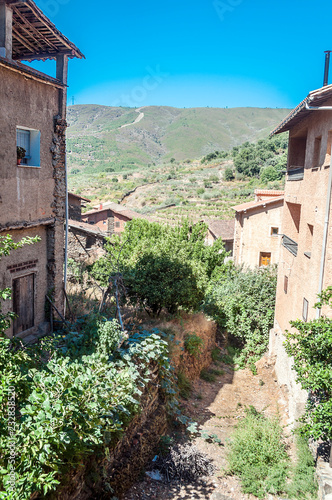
{"points": [[150, 164], [98, 140]]}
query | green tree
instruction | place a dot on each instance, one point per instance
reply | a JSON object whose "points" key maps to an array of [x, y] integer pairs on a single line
{"points": [[162, 266], [228, 174]]}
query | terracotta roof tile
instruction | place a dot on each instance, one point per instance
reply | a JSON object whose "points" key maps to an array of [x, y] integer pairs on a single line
{"points": [[223, 229], [255, 204]]}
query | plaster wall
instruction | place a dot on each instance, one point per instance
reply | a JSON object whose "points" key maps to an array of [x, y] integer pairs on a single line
{"points": [[253, 234], [26, 192], [303, 221]]}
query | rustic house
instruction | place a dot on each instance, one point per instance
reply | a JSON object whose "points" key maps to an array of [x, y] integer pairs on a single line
{"points": [[110, 217], [258, 228], [305, 266], [223, 229], [75, 205], [33, 187]]}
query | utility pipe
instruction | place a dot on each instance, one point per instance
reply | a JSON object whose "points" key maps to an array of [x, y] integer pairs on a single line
{"points": [[66, 235]]}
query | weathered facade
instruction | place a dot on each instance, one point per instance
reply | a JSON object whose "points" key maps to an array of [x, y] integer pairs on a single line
{"points": [[305, 266], [223, 229], [258, 228], [110, 217], [75, 203], [32, 193]]}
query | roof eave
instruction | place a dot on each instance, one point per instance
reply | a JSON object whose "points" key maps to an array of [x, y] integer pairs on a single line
{"points": [[69, 48]]}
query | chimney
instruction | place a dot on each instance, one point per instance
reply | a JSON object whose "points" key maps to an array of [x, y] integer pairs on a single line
{"points": [[327, 65], [101, 206]]}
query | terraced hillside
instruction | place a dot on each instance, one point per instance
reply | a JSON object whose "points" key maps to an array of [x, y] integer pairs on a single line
{"points": [[152, 159], [98, 141]]}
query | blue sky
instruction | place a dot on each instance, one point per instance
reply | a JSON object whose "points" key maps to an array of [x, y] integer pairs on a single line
{"points": [[194, 53]]}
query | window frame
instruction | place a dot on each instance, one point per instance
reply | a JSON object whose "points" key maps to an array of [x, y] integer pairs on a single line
{"points": [[32, 160]]}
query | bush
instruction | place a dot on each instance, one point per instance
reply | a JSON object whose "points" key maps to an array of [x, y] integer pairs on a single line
{"points": [[244, 305], [115, 179], [193, 344], [74, 396], [200, 191], [228, 174]]}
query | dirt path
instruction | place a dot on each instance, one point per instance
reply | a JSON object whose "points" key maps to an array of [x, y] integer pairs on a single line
{"points": [[138, 119], [216, 407]]}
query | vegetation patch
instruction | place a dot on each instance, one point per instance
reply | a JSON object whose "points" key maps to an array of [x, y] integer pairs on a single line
{"points": [[243, 304], [193, 344], [257, 454]]}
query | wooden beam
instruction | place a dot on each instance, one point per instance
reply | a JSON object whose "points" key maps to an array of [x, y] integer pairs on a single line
{"points": [[27, 26], [6, 36], [22, 40], [41, 56]]}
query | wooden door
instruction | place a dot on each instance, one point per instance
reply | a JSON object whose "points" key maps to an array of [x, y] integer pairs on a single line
{"points": [[265, 259], [23, 303]]}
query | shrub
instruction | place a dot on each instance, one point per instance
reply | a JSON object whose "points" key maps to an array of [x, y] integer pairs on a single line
{"points": [[193, 344], [200, 191], [244, 305], [74, 396], [228, 174], [115, 179]]}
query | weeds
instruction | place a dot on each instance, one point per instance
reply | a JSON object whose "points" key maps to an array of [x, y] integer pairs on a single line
{"points": [[211, 374], [193, 344], [216, 355], [257, 454], [184, 386]]}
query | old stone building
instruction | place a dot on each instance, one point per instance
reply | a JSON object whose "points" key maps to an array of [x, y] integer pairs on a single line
{"points": [[305, 266], [75, 205], [33, 188], [110, 217], [223, 229], [258, 228]]}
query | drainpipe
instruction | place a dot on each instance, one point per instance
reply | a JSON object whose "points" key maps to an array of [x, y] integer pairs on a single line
{"points": [[66, 236]]}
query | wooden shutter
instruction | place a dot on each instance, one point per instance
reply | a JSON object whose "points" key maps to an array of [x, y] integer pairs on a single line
{"points": [[23, 303], [265, 259]]}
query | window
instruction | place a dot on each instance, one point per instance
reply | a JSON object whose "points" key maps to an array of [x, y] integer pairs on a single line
{"points": [[285, 284], [264, 258], [29, 139], [317, 148], [274, 231], [305, 310], [117, 224], [23, 303], [308, 240], [297, 150]]}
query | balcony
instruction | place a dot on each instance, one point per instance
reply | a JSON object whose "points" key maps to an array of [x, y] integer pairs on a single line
{"points": [[295, 174], [290, 244]]}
